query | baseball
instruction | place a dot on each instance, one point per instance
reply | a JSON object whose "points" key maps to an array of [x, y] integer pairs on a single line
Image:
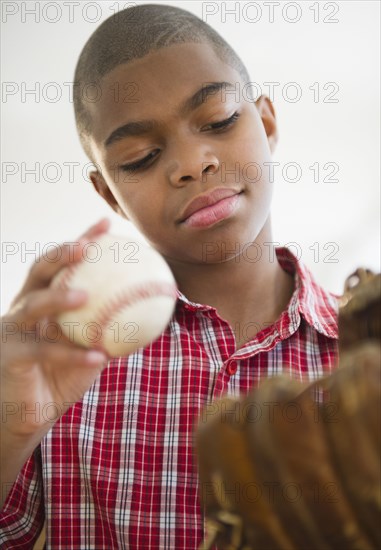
{"points": [[131, 296]]}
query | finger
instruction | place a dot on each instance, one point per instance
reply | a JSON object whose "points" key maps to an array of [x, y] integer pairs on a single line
{"points": [[48, 265], [102, 226], [48, 302], [68, 355], [55, 353], [58, 257]]}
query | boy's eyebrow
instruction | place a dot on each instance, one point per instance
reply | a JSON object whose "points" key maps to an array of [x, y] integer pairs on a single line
{"points": [[136, 128], [202, 95]]}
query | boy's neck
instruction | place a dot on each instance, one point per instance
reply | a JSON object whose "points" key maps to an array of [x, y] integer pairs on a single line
{"points": [[248, 295]]}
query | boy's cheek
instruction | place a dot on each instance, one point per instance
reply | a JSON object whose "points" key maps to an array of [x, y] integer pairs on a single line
{"points": [[250, 156]]}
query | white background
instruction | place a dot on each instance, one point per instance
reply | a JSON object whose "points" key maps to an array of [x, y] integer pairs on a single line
{"points": [[42, 47]]}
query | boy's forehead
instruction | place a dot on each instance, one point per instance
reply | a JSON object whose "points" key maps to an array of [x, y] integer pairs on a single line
{"points": [[179, 59], [163, 79]]}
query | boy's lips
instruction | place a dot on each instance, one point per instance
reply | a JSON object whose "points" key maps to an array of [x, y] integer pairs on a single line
{"points": [[207, 199]]}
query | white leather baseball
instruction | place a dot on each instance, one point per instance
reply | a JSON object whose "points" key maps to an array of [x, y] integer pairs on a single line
{"points": [[131, 295]]}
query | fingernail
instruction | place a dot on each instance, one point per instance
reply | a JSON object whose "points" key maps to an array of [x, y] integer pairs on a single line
{"points": [[75, 296], [96, 357], [83, 241]]}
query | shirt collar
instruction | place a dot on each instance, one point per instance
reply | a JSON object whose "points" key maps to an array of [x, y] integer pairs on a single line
{"points": [[317, 306]]}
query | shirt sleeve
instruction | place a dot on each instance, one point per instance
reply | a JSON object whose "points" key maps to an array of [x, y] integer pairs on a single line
{"points": [[23, 513]]}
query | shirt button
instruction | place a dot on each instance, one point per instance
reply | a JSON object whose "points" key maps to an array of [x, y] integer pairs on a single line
{"points": [[232, 368]]}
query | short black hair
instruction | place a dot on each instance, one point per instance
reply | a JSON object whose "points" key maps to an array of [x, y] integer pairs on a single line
{"points": [[133, 33]]}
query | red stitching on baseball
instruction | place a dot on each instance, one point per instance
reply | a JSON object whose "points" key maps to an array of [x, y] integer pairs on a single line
{"points": [[63, 284], [69, 273], [143, 291]]}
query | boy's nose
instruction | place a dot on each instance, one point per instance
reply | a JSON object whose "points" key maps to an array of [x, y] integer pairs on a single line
{"points": [[192, 167]]}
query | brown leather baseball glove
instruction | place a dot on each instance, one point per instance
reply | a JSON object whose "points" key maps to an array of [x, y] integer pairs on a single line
{"points": [[297, 466]]}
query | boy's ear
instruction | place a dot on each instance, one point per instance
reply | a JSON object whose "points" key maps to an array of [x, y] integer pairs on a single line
{"points": [[104, 191], [267, 114]]}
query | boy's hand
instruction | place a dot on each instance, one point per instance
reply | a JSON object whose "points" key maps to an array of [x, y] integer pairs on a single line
{"points": [[42, 372]]}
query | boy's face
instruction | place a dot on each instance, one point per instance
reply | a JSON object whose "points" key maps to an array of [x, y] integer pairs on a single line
{"points": [[186, 155]]}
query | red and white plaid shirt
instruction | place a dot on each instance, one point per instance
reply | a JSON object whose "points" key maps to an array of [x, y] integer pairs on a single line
{"points": [[118, 469]]}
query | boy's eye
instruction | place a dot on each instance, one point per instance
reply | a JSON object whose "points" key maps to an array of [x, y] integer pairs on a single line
{"points": [[216, 126], [139, 163], [223, 123]]}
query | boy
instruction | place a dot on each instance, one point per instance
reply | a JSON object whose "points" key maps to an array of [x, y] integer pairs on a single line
{"points": [[117, 469]]}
